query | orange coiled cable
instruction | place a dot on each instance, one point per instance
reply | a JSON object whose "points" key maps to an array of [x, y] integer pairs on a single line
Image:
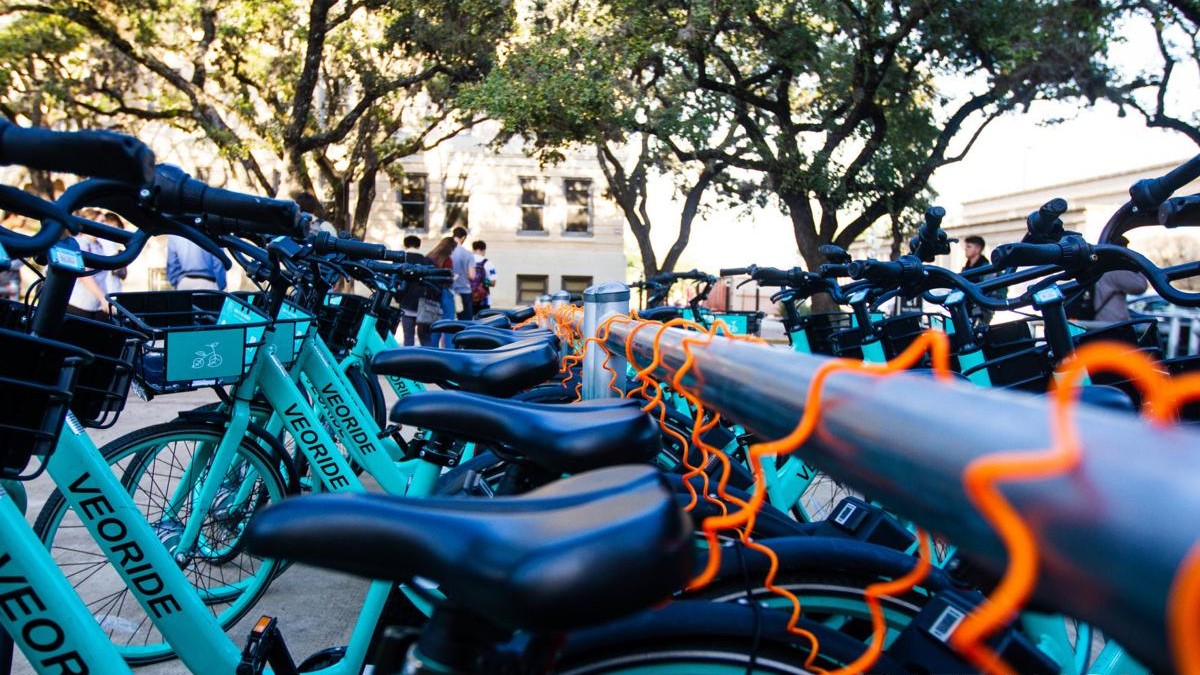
{"points": [[982, 476], [932, 342]]}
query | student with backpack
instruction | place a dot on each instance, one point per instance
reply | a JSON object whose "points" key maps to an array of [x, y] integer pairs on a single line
{"points": [[484, 279]]}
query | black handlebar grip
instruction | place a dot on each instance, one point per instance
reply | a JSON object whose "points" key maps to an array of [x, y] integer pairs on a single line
{"points": [[879, 271], [1180, 212], [181, 194], [1148, 193], [933, 218], [101, 154], [323, 242], [772, 275], [1046, 222], [733, 271], [834, 254], [1026, 255]]}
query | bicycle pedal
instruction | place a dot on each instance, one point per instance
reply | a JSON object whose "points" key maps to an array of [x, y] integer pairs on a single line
{"points": [[265, 647]]}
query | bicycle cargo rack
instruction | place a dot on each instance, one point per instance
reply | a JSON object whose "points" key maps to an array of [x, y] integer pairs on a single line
{"points": [[196, 338]]}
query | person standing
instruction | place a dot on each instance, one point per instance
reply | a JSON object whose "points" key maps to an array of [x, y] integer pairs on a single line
{"points": [[973, 246], [1109, 304], [190, 267], [485, 277], [413, 293], [115, 278], [441, 255], [463, 263], [89, 295], [10, 270]]}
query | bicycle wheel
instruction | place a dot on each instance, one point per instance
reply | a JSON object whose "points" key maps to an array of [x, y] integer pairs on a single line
{"points": [[152, 462], [836, 601], [699, 638], [370, 392]]}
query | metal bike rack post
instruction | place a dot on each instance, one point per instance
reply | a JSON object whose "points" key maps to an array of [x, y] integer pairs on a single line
{"points": [[1113, 533], [599, 303]]}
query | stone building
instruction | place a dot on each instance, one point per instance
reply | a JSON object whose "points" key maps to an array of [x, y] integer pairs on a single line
{"points": [[546, 227]]}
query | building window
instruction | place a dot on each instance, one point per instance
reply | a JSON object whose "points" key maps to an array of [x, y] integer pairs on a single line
{"points": [[531, 286], [533, 203], [576, 285], [412, 198], [579, 204], [456, 208]]}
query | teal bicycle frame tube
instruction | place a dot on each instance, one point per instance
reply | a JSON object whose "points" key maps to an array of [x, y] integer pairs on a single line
{"points": [[358, 430], [131, 546], [40, 610], [304, 424], [367, 344]]}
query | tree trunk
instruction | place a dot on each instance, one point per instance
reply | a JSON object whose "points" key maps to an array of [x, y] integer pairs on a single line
{"points": [[809, 244], [366, 198]]}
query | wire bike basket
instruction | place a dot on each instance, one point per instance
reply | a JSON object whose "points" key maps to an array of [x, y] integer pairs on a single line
{"points": [[338, 319], [101, 386], [35, 387], [291, 326], [197, 338]]}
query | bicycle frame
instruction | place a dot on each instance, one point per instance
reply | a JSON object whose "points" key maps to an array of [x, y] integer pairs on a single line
{"points": [[41, 612], [129, 543], [366, 345]]}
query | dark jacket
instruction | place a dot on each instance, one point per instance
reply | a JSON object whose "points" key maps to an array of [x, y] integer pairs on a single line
{"points": [[415, 291]]}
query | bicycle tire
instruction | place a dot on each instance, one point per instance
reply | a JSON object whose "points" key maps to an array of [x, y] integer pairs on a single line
{"points": [[135, 457], [702, 638], [370, 392]]}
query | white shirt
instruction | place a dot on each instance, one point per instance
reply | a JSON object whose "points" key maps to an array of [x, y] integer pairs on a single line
{"points": [[489, 268]]}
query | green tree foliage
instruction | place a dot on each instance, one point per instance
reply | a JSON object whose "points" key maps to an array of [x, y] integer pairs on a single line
{"points": [[838, 110], [577, 83], [298, 95]]}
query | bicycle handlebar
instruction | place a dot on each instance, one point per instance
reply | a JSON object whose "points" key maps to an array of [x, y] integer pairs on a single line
{"points": [[179, 193], [1045, 225], [100, 154], [1147, 194], [52, 217], [323, 242], [931, 241], [691, 275], [1180, 212], [123, 199], [1071, 253]]}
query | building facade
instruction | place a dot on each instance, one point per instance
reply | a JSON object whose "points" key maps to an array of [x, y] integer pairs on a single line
{"points": [[546, 227]]}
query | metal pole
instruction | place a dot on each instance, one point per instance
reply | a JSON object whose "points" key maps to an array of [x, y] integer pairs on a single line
{"points": [[599, 303], [1113, 534]]}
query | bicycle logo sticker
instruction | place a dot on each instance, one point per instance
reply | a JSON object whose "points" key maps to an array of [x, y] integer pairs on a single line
{"points": [[208, 358]]}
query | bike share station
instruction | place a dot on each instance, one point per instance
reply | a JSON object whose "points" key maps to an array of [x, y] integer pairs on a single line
{"points": [[586, 486]]}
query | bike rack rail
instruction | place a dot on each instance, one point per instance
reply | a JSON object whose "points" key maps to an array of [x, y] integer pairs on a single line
{"points": [[1112, 534]]}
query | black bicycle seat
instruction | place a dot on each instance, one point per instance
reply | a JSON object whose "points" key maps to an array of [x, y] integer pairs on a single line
{"points": [[514, 315], [564, 438], [578, 552], [496, 372], [487, 337], [457, 325]]}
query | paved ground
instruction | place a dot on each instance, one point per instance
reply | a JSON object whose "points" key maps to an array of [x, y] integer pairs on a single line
{"points": [[301, 597]]}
